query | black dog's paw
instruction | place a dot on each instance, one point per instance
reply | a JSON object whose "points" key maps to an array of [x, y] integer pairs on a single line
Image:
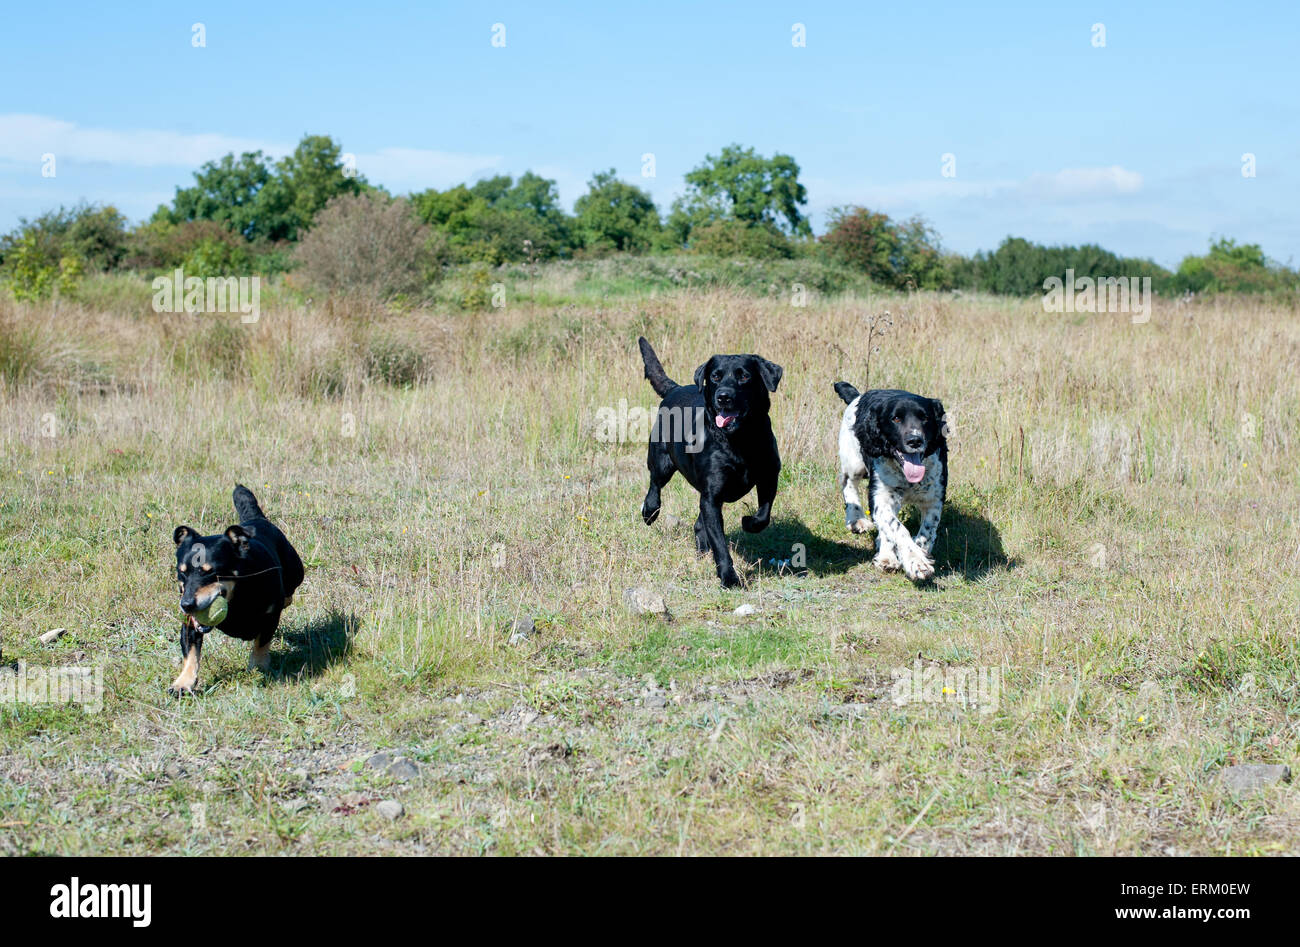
{"points": [[649, 516], [752, 524], [729, 579]]}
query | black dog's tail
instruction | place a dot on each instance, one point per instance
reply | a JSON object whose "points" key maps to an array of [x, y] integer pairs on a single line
{"points": [[246, 504], [846, 391], [659, 379]]}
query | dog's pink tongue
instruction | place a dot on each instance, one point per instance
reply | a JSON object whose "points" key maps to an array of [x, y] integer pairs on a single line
{"points": [[913, 472], [723, 420]]}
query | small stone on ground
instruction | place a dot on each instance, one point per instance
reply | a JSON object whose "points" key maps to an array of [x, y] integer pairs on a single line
{"points": [[1249, 776], [643, 601], [403, 770], [521, 629]]}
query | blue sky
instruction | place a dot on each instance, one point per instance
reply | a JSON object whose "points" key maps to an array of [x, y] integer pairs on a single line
{"points": [[1136, 145]]}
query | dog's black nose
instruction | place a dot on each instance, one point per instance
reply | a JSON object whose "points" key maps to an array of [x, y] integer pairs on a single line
{"points": [[914, 442], [188, 603], [725, 399]]}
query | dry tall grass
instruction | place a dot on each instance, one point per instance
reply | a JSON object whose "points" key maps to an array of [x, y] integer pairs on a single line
{"points": [[1121, 542]]}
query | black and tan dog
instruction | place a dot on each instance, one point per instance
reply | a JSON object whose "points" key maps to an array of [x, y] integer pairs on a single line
{"points": [[718, 434], [252, 566]]}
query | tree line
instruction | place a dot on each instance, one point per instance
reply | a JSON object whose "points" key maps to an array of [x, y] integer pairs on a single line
{"points": [[310, 210]]}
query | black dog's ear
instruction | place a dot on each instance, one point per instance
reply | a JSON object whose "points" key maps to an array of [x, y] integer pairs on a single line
{"points": [[181, 532], [702, 372], [238, 536], [872, 427], [770, 371]]}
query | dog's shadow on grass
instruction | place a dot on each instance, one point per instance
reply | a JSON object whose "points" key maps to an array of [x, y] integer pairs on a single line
{"points": [[311, 649], [788, 537], [316, 646], [968, 545]]}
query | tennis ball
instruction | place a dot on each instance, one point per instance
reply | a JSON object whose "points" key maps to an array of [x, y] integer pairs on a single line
{"points": [[214, 614]]}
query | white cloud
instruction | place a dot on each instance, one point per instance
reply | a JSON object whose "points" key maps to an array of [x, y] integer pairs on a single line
{"points": [[27, 137], [1083, 183]]}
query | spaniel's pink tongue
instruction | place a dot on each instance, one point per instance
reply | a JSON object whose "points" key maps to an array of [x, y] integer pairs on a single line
{"points": [[913, 472], [723, 420]]}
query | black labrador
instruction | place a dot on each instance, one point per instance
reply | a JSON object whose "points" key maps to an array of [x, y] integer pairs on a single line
{"points": [[718, 434]]}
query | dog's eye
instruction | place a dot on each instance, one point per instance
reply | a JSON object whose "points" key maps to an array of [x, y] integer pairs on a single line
{"points": [[897, 419]]}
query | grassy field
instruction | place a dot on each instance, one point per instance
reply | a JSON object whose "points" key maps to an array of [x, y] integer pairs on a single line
{"points": [[1120, 553]]}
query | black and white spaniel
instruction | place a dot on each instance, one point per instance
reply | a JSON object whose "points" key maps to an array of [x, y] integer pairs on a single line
{"points": [[896, 440]]}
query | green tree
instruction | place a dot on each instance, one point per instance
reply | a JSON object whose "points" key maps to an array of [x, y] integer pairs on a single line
{"points": [[93, 234], [904, 254], [537, 200], [534, 193], [445, 210], [262, 201], [615, 215], [1019, 268], [496, 219], [229, 191], [492, 189], [311, 176], [739, 184], [97, 237], [1016, 268], [1233, 267]]}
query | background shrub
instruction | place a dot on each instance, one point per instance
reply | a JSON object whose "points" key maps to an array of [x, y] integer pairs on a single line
{"points": [[735, 238], [903, 255], [52, 252], [478, 287], [395, 360], [160, 247], [1231, 267], [1018, 267], [369, 244]]}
